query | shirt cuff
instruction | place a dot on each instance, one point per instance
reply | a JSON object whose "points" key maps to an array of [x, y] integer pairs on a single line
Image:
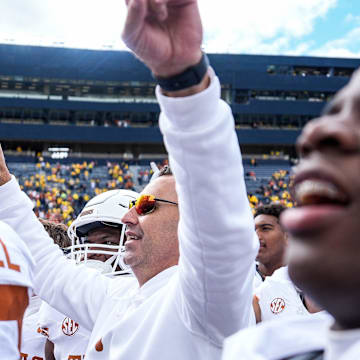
{"points": [[190, 112]]}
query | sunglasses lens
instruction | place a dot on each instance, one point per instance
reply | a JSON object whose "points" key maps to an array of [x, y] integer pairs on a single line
{"points": [[145, 204]]}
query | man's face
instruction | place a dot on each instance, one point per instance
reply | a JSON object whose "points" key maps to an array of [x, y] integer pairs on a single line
{"points": [[151, 240], [273, 240], [324, 250], [104, 236]]}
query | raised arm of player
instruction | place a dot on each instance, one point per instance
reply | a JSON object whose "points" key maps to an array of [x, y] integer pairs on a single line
{"points": [[60, 283], [218, 243]]}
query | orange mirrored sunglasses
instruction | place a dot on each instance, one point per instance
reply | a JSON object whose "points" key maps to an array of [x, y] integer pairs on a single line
{"points": [[146, 204]]}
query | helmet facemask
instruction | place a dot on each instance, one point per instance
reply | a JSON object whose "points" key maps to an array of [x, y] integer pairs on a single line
{"points": [[102, 212]]}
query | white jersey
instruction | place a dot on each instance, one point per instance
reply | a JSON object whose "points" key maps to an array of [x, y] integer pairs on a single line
{"points": [[296, 335], [278, 297], [33, 343], [258, 280], [16, 265], [184, 312], [69, 338]]}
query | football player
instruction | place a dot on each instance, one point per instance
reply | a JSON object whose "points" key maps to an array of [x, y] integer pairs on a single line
{"points": [[16, 266], [324, 246], [97, 238], [33, 341], [272, 237]]}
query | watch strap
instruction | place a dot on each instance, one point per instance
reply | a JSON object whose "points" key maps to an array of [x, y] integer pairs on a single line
{"points": [[190, 77]]}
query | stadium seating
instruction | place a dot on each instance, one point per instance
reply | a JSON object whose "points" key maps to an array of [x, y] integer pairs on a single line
{"points": [[59, 191]]}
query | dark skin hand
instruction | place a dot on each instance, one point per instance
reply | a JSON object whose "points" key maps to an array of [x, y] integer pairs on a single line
{"points": [[49, 350]]}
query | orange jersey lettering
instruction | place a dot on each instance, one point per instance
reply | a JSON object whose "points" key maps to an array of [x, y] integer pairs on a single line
{"points": [[26, 357], [7, 257]]}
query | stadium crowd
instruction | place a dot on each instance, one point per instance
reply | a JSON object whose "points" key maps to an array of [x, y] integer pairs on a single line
{"points": [[60, 191], [276, 190], [185, 269]]}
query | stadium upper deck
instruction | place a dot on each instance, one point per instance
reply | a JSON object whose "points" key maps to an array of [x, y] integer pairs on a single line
{"points": [[111, 94]]}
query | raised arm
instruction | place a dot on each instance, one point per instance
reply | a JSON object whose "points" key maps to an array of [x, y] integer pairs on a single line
{"points": [[218, 243], [59, 282]]}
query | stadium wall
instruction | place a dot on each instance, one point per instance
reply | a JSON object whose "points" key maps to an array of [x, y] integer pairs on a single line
{"points": [[106, 135], [238, 74]]}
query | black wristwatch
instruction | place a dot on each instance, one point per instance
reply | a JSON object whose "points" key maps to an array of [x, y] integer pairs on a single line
{"points": [[190, 77]]}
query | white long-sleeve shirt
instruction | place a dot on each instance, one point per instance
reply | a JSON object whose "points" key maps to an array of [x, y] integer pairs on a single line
{"points": [[184, 312]]}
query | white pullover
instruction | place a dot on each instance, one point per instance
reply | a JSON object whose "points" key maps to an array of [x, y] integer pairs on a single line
{"points": [[184, 312]]}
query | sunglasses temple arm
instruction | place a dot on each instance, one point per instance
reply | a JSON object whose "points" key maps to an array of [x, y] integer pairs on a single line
{"points": [[167, 201]]}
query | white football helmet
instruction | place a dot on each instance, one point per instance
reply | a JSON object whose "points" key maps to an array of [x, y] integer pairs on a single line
{"points": [[106, 209]]}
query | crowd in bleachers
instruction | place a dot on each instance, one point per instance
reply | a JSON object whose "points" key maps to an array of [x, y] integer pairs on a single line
{"points": [[274, 190], [60, 191]]}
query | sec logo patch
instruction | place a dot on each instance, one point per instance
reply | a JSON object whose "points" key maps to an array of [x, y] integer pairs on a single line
{"points": [[69, 327], [277, 306]]}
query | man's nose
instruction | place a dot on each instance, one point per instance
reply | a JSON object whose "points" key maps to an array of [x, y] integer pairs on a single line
{"points": [[131, 217], [258, 233], [328, 133]]}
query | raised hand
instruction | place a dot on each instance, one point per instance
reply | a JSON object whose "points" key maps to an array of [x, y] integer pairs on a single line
{"points": [[4, 171], [165, 34]]}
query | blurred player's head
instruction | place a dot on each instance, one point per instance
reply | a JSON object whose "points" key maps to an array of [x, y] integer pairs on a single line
{"points": [[152, 223], [58, 232], [272, 237], [55, 217], [98, 233], [324, 249]]}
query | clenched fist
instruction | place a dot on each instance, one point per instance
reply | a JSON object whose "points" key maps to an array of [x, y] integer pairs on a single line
{"points": [[165, 34]]}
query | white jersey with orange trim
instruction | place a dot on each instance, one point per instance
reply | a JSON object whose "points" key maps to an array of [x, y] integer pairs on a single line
{"points": [[278, 297], [33, 343], [184, 312], [69, 338], [16, 266]]}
